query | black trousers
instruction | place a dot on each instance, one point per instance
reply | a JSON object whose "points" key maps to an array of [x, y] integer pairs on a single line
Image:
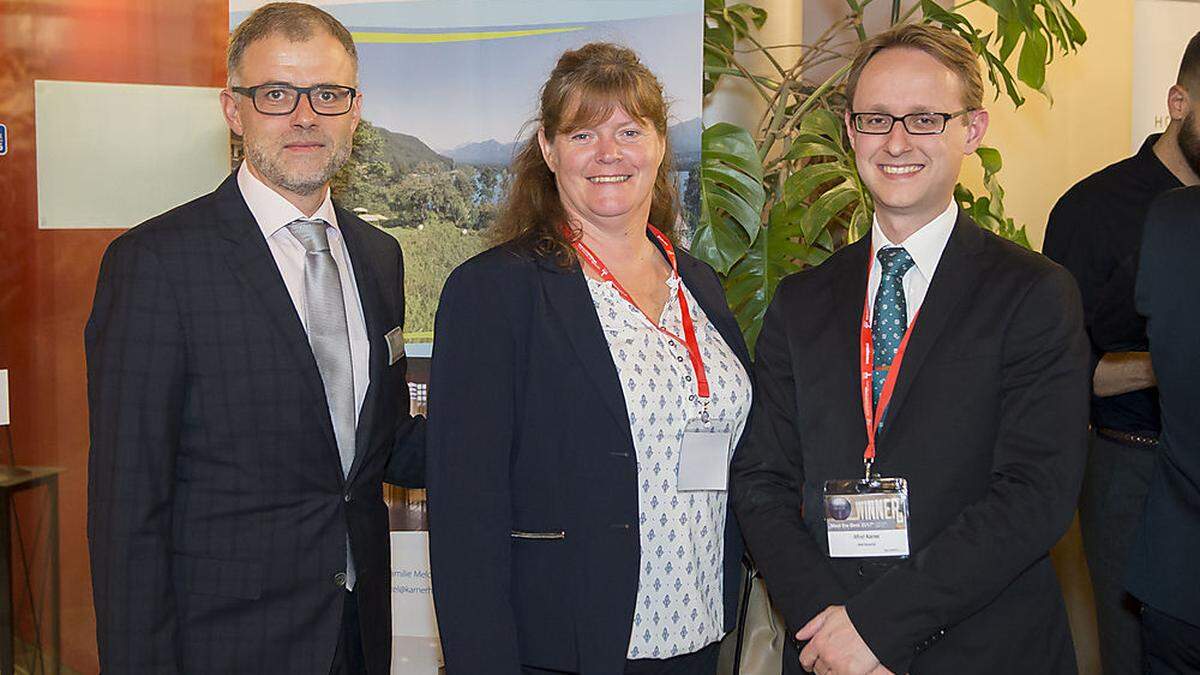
{"points": [[1115, 483], [349, 658], [702, 662], [1172, 646]]}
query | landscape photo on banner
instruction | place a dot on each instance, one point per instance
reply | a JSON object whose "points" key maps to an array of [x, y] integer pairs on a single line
{"points": [[449, 88]]}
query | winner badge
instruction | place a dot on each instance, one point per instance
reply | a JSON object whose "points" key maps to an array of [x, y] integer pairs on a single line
{"points": [[867, 518]]}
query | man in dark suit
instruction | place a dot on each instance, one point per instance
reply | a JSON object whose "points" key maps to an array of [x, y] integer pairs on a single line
{"points": [[978, 414], [1162, 561], [246, 384]]}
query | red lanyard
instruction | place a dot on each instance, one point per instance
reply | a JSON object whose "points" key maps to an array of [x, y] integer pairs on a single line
{"points": [[867, 368], [689, 329]]}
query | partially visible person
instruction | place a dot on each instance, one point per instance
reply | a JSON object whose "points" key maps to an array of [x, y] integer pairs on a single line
{"points": [[1095, 231], [920, 415], [588, 386], [247, 393], [1166, 549]]}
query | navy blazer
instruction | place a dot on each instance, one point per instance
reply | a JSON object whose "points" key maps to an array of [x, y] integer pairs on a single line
{"points": [[532, 474], [217, 510]]}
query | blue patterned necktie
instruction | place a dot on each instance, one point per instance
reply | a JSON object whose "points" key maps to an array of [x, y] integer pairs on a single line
{"points": [[889, 318]]}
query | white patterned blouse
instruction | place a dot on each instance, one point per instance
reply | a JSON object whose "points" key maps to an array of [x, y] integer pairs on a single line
{"points": [[680, 588]]}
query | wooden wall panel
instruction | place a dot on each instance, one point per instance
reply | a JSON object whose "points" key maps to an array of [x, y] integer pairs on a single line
{"points": [[47, 277]]}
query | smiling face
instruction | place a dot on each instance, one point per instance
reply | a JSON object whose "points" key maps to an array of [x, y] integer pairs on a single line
{"points": [[912, 177], [294, 154], [605, 171]]}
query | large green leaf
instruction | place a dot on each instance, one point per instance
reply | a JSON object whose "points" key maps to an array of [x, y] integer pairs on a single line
{"points": [[732, 196]]}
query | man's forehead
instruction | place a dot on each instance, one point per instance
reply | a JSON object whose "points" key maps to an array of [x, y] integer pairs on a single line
{"points": [[278, 53], [904, 80]]}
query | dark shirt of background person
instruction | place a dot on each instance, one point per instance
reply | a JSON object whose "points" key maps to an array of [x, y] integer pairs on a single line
{"points": [[1095, 231]]}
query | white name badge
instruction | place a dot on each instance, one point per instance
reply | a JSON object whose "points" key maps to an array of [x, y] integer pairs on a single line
{"points": [[704, 460], [867, 518]]}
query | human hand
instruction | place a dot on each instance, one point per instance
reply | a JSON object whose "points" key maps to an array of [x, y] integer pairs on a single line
{"points": [[835, 647]]}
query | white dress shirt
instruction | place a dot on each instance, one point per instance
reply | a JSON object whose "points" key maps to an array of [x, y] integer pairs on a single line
{"points": [[925, 246], [273, 213], [680, 603]]}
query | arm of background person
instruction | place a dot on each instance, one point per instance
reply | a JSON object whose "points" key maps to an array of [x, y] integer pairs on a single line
{"points": [[766, 483], [135, 365], [1037, 469], [1123, 372], [1076, 238], [470, 435]]}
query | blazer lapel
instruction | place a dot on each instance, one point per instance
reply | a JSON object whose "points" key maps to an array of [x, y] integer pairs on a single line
{"points": [[372, 300], [253, 264], [847, 294], [711, 298], [568, 296], [952, 282]]}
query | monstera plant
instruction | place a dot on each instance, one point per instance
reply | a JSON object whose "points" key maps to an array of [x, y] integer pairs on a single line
{"points": [[786, 194]]}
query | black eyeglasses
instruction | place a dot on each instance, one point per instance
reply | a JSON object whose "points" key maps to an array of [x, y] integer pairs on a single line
{"points": [[282, 99], [918, 124]]}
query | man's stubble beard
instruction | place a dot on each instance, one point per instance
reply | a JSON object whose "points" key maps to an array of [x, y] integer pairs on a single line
{"points": [[276, 172], [1189, 142]]}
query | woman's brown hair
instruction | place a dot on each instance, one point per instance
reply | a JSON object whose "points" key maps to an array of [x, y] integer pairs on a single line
{"points": [[585, 87]]}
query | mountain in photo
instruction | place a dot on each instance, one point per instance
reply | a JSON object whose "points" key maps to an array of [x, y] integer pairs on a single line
{"points": [[407, 152], [484, 153], [685, 141]]}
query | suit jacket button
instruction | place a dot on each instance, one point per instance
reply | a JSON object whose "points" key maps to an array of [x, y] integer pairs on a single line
{"points": [[339, 580], [347, 498]]}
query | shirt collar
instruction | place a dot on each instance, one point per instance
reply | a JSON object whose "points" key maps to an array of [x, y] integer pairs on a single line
{"points": [[1153, 165], [925, 245], [270, 210]]}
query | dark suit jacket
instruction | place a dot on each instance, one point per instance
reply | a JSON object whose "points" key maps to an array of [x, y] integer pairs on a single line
{"points": [[217, 510], [529, 433], [1162, 562], [988, 424]]}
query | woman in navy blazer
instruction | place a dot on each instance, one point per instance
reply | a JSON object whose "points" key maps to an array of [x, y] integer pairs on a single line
{"points": [[563, 536]]}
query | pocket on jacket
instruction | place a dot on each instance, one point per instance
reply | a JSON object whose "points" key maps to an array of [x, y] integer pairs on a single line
{"points": [[539, 535], [213, 576]]}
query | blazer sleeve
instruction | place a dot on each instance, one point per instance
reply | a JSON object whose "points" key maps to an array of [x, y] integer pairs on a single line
{"points": [[406, 464], [766, 484], [470, 435], [1037, 470], [136, 367]]}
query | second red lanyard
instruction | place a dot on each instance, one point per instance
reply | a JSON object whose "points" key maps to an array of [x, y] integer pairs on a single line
{"points": [[873, 413]]}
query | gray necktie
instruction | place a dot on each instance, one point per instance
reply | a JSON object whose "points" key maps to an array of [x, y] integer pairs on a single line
{"points": [[325, 316]]}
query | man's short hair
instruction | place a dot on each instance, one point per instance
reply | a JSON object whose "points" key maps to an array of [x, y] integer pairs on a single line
{"points": [[948, 48], [296, 21], [1189, 67]]}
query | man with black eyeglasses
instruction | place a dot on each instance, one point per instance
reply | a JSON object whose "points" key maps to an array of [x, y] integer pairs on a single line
{"points": [[920, 407], [246, 384]]}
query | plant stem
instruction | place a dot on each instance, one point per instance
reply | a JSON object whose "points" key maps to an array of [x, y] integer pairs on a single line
{"points": [[767, 54], [856, 9], [777, 118]]}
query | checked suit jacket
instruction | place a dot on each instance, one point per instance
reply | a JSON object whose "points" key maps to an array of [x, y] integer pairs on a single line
{"points": [[988, 424], [217, 509]]}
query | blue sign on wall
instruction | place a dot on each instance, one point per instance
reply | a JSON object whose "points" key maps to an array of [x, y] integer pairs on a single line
{"points": [[3, 140]]}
